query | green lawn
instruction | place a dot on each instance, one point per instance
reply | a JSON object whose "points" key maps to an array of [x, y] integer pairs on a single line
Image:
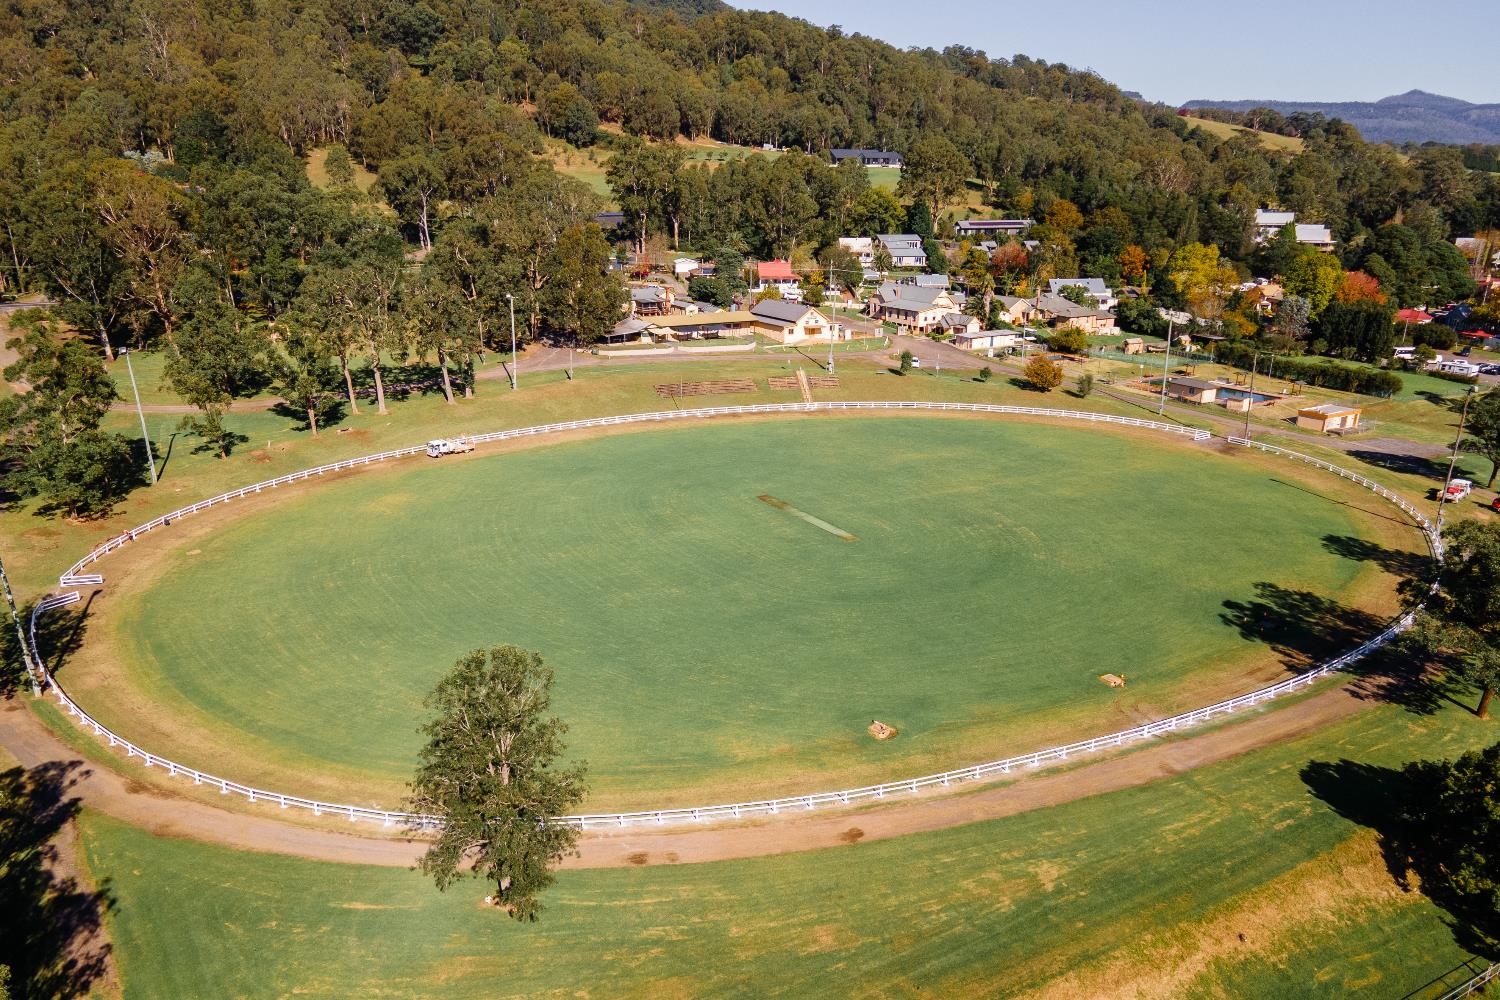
{"points": [[707, 644], [1234, 880]]}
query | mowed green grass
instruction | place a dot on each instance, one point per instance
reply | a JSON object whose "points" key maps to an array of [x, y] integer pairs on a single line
{"points": [[1233, 880], [709, 645]]}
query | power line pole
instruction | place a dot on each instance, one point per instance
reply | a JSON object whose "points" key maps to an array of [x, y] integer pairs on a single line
{"points": [[145, 437], [515, 374], [1166, 368], [10, 601], [1250, 401], [826, 289], [1453, 459]]}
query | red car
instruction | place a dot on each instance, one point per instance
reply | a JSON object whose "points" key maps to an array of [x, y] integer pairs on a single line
{"points": [[1495, 505]]}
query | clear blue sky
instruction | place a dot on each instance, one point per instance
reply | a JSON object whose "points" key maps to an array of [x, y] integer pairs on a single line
{"points": [[1175, 51]]}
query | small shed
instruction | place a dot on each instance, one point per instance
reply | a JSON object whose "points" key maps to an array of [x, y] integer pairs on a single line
{"points": [[1329, 418], [1133, 345]]}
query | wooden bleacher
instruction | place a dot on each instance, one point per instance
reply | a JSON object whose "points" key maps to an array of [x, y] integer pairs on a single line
{"points": [[720, 387], [791, 383]]}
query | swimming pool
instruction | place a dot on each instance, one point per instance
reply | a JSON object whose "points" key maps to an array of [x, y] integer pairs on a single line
{"points": [[1258, 397]]}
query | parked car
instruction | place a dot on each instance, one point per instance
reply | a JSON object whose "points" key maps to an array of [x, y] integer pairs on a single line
{"points": [[1495, 505]]}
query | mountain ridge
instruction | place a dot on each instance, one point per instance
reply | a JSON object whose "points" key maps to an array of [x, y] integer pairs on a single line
{"points": [[1416, 116]]}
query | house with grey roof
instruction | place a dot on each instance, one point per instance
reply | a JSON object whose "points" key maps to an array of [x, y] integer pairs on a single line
{"points": [[912, 307], [869, 157], [906, 249], [1095, 287], [793, 322], [992, 227], [1057, 312]]}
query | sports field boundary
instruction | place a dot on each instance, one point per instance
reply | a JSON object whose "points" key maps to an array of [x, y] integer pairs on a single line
{"points": [[75, 576]]}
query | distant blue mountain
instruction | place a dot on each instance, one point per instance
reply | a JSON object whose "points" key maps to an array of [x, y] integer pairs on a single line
{"points": [[1415, 116]]}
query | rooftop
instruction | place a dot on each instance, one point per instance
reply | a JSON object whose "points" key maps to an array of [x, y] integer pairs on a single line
{"points": [[782, 312]]}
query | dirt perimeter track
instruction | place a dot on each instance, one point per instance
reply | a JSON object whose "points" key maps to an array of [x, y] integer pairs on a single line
{"points": [[30, 741]]}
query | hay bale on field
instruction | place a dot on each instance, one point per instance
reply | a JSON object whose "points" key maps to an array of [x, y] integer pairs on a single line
{"points": [[1113, 680], [880, 730]]}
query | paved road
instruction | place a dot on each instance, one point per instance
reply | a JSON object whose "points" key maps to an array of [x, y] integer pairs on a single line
{"points": [[159, 812]]}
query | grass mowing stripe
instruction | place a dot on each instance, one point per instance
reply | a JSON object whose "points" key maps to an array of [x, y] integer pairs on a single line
{"points": [[817, 522]]}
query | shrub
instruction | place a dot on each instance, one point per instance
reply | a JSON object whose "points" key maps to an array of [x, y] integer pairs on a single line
{"points": [[906, 362], [1085, 385], [985, 373], [1068, 340], [1043, 374]]}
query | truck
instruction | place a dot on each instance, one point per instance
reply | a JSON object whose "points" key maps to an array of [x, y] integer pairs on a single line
{"points": [[448, 446], [1457, 490]]}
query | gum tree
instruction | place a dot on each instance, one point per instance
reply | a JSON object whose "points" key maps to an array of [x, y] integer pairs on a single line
{"points": [[492, 770]]}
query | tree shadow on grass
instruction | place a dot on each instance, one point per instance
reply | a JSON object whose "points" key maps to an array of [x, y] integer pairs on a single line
{"points": [[1379, 798], [1411, 465], [332, 416], [50, 926], [1306, 629], [59, 635], [1406, 565]]}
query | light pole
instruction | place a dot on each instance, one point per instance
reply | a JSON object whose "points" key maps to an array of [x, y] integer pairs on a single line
{"points": [[1453, 459], [515, 376], [145, 438], [10, 601]]}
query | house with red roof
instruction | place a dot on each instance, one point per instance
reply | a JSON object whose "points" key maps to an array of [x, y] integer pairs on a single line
{"points": [[778, 274], [1417, 316]]}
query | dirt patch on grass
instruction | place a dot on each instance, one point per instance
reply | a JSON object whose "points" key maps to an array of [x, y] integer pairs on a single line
{"points": [[853, 835]]}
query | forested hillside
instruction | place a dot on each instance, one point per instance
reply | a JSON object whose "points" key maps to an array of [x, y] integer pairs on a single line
{"points": [[154, 175]]}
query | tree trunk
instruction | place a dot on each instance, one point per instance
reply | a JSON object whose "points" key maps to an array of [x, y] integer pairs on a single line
{"points": [[1494, 470], [348, 382], [469, 378], [1484, 703], [109, 350], [447, 383], [312, 419], [379, 387]]}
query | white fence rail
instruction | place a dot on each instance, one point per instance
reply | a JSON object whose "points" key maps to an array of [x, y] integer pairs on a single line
{"points": [[763, 807], [1474, 985]]}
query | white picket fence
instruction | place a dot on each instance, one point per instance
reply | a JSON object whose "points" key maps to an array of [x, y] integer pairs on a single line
{"points": [[763, 807]]}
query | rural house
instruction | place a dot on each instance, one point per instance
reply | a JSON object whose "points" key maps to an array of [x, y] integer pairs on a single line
{"points": [[1095, 287], [905, 249], [793, 322], [778, 274], [869, 157]]}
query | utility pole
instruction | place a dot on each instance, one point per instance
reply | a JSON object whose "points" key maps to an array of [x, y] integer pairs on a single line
{"points": [[32, 671], [1254, 364], [1453, 459], [1166, 368], [826, 289], [515, 375], [145, 437]]}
